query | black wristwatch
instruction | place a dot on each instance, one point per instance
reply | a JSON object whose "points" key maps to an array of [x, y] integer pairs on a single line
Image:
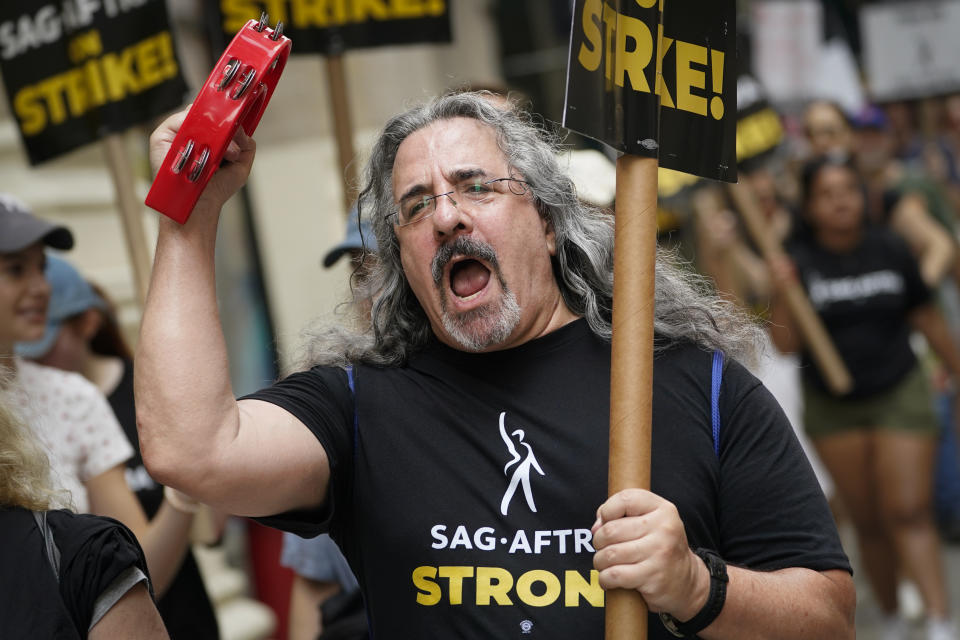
{"points": [[714, 605]]}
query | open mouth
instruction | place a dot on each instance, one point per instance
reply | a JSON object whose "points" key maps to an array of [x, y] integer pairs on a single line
{"points": [[468, 278]]}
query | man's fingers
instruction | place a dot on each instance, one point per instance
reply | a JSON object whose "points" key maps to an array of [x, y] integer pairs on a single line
{"points": [[629, 502], [630, 551], [621, 530], [240, 144], [169, 127]]}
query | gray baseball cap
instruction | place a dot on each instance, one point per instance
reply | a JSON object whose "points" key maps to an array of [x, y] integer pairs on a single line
{"points": [[359, 235], [19, 228]]}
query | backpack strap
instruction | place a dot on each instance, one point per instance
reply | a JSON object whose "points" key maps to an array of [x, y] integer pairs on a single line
{"points": [[53, 552], [356, 422], [716, 377]]}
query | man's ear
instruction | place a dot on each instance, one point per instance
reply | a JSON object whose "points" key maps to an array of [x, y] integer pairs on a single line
{"points": [[549, 234]]}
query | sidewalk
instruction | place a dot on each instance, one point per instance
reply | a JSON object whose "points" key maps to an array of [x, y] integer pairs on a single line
{"points": [[868, 615]]}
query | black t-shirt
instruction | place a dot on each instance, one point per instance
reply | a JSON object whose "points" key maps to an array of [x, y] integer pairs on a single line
{"points": [[94, 551], [464, 492], [185, 607], [864, 298]]}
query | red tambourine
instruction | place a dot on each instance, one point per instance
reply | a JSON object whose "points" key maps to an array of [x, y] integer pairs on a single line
{"points": [[235, 94]]}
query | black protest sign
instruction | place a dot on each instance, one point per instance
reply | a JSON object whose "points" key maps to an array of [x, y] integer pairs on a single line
{"points": [[76, 71], [687, 118], [332, 26]]}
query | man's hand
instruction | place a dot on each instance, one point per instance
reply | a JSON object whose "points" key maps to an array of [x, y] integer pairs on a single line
{"points": [[641, 544], [229, 177]]}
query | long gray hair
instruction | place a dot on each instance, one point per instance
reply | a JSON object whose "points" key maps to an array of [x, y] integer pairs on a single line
{"points": [[583, 266]]}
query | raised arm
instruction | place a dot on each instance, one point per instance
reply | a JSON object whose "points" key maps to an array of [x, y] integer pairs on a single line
{"points": [[928, 240], [783, 330], [247, 458]]}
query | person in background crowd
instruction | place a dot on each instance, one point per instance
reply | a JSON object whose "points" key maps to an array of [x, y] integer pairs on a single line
{"points": [[325, 600], [83, 336], [64, 575], [69, 415], [922, 173], [878, 441], [325, 596], [488, 356], [896, 197]]}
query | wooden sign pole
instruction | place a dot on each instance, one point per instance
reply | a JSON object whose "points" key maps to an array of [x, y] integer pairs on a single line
{"points": [[130, 208], [631, 373], [343, 128], [815, 336]]}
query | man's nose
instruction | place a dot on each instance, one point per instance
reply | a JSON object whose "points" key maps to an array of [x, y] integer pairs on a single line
{"points": [[450, 217]]}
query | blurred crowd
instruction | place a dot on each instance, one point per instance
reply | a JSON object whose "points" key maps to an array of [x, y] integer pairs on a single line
{"points": [[856, 213]]}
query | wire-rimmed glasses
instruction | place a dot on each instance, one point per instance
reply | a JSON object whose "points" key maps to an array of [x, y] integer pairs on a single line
{"points": [[474, 192]]}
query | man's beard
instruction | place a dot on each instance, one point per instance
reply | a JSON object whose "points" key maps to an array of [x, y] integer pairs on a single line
{"points": [[488, 324]]}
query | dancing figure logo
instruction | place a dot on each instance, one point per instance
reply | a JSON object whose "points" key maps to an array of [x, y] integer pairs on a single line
{"points": [[521, 472]]}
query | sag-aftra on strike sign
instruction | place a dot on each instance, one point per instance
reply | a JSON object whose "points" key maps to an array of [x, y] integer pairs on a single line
{"points": [[687, 115], [76, 70], [331, 27]]}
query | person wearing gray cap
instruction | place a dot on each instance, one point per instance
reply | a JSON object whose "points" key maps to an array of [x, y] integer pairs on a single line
{"points": [[24, 292], [69, 416], [22, 229], [358, 239], [324, 595]]}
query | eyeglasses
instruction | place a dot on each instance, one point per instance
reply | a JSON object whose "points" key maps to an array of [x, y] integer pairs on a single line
{"points": [[416, 208]]}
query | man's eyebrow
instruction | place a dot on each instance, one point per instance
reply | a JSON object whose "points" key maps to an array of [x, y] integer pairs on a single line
{"points": [[466, 174], [416, 190], [458, 176]]}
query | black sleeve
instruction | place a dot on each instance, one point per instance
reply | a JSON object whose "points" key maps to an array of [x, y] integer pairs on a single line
{"points": [[94, 551], [767, 481], [321, 399]]}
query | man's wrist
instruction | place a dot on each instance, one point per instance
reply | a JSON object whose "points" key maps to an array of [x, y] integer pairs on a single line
{"points": [[711, 608], [700, 591]]}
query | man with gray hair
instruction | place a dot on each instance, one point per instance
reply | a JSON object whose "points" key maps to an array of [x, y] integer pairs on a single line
{"points": [[486, 366]]}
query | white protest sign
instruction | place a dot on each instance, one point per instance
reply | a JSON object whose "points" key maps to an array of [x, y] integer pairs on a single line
{"points": [[786, 41], [911, 48]]}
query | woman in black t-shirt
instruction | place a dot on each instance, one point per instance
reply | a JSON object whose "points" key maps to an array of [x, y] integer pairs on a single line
{"points": [[64, 575], [878, 441]]}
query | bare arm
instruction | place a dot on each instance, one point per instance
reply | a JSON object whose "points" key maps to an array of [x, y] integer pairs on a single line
{"points": [[783, 330], [641, 545], [249, 458], [786, 604], [723, 255], [133, 616], [929, 242]]}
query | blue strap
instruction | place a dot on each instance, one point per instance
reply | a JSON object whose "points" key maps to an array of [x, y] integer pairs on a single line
{"points": [[356, 422], [715, 379], [356, 437]]}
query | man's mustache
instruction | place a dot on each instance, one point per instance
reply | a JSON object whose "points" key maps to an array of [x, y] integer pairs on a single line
{"points": [[462, 246]]}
